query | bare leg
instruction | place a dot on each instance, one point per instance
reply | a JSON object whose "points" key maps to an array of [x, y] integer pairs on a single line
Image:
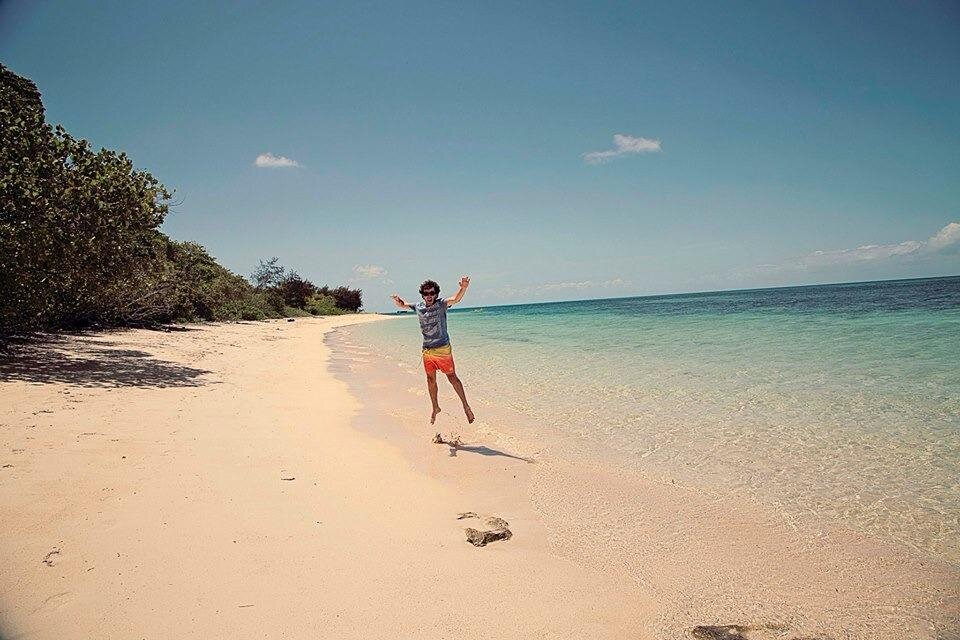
{"points": [[458, 387], [432, 388]]}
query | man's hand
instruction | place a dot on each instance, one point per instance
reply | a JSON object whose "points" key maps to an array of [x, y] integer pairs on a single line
{"points": [[464, 283], [398, 301]]}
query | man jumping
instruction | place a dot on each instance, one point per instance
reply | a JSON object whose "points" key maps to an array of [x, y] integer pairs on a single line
{"points": [[437, 355]]}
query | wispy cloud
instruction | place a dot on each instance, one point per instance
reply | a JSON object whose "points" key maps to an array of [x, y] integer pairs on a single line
{"points": [[623, 145], [539, 290], [362, 272], [268, 160], [945, 240], [368, 271]]}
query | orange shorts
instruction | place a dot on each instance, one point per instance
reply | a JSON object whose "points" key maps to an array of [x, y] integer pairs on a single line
{"points": [[438, 359]]}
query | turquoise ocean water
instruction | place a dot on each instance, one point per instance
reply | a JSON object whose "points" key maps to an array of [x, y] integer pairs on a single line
{"points": [[838, 401]]}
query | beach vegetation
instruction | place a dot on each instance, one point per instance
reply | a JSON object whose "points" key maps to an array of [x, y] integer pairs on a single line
{"points": [[80, 244], [320, 304], [268, 274], [347, 299], [294, 312], [296, 291]]}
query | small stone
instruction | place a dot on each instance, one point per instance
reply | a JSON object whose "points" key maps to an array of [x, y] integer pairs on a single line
{"points": [[741, 632], [481, 538], [719, 632]]}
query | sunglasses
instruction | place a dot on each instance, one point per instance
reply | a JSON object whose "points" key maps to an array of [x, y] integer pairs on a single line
{"points": [[428, 293]]}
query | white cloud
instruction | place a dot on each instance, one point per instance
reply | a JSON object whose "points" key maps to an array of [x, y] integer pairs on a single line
{"points": [[269, 160], [368, 272], [948, 237], [583, 284], [538, 290], [865, 253], [623, 145]]}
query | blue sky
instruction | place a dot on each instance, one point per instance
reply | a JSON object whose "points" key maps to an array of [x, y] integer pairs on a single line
{"points": [[759, 144]]}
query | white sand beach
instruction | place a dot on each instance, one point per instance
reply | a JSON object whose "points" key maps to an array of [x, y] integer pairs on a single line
{"points": [[226, 482]]}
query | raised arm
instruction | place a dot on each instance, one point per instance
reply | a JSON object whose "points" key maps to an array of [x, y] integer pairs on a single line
{"points": [[464, 283], [400, 303]]}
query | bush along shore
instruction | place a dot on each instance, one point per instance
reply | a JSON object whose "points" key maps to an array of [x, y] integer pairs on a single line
{"points": [[80, 244]]}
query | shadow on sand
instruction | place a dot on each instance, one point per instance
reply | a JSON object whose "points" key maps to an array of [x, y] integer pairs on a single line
{"points": [[88, 363], [483, 451]]}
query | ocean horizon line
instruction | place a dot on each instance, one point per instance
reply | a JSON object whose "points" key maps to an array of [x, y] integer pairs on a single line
{"points": [[461, 309]]}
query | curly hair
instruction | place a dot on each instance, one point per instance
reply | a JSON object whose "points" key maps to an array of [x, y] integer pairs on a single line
{"points": [[429, 284]]}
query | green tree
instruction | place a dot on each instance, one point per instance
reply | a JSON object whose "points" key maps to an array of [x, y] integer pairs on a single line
{"points": [[295, 290], [80, 241], [269, 273], [78, 227]]}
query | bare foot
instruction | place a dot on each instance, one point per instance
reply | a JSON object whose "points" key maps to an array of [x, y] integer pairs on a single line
{"points": [[469, 412], [433, 416]]}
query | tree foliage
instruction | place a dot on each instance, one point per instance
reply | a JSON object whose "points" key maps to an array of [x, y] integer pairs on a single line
{"points": [[80, 243], [295, 290], [269, 273], [348, 299], [285, 286], [78, 228]]}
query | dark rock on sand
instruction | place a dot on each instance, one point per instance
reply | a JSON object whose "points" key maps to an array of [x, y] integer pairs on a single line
{"points": [[744, 632], [498, 530], [719, 632], [481, 538]]}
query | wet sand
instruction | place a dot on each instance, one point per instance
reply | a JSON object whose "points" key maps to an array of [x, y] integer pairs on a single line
{"points": [[242, 481]]}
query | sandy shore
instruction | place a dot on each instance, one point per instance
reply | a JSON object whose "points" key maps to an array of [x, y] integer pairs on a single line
{"points": [[227, 482], [147, 497]]}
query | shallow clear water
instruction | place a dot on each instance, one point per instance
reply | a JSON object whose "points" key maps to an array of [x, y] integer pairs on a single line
{"points": [[839, 401]]}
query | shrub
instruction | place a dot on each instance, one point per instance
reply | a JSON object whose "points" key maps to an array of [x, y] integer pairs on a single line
{"points": [[78, 228], [294, 312], [295, 290], [80, 243], [348, 299], [323, 305]]}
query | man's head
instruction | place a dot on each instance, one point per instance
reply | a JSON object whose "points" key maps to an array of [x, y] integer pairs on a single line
{"points": [[429, 290]]}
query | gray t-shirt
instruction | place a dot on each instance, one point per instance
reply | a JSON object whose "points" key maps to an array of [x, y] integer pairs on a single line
{"points": [[433, 323]]}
